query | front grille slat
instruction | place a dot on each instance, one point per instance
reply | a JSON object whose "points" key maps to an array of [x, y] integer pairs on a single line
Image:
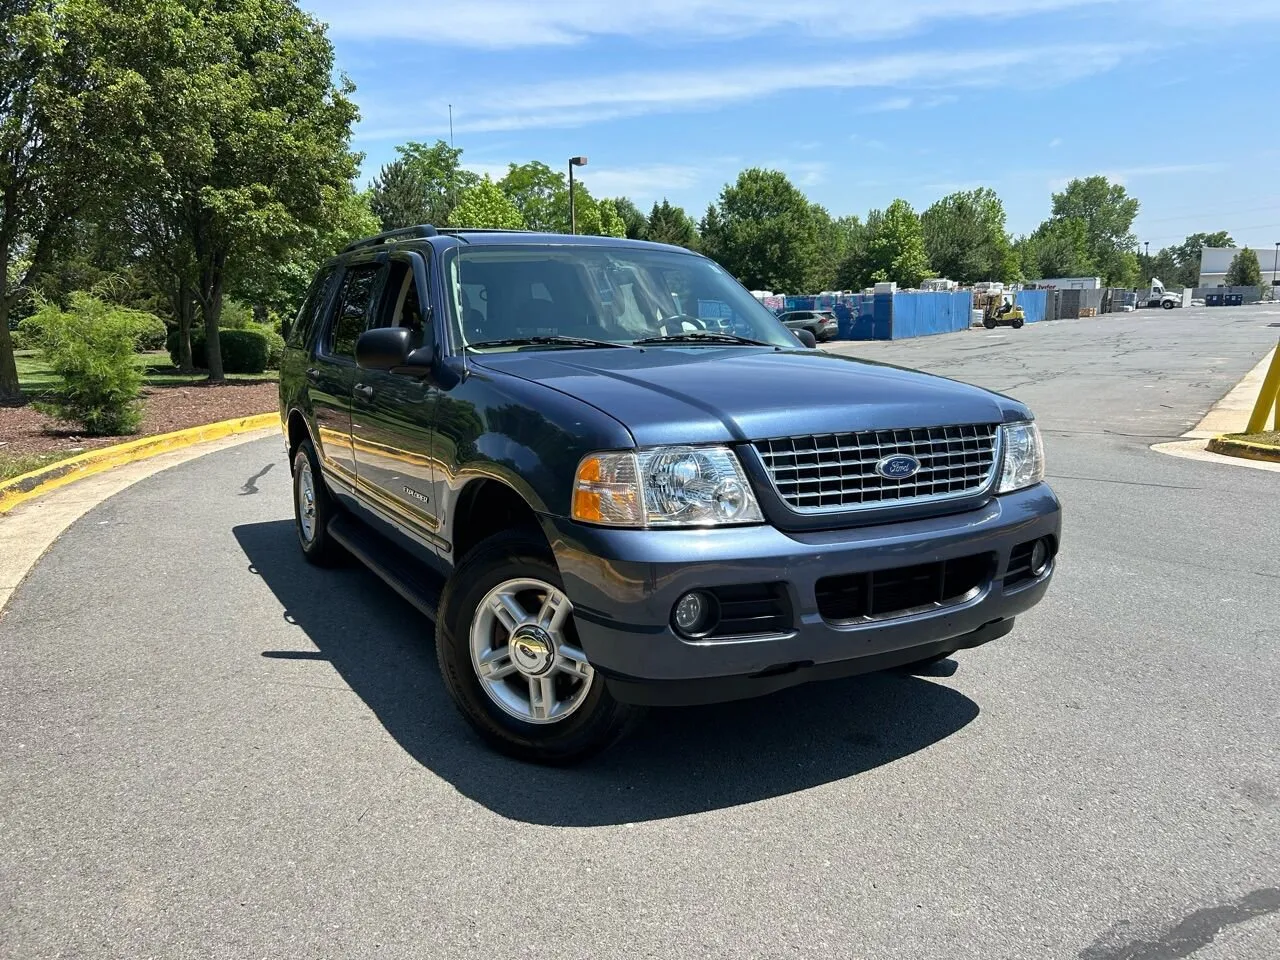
{"points": [[828, 472], [884, 594]]}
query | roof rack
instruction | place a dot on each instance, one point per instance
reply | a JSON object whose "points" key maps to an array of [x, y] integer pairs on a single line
{"points": [[451, 230], [404, 233]]}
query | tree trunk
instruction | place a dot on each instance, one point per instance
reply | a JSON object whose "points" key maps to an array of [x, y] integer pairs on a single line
{"points": [[211, 307], [183, 307], [10, 391]]}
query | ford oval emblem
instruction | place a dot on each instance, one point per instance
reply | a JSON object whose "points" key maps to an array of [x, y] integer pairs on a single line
{"points": [[898, 467]]}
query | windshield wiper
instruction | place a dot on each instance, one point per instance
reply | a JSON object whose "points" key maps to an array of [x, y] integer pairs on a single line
{"points": [[553, 341], [702, 336]]}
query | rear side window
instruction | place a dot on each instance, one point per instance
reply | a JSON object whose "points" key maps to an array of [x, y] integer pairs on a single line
{"points": [[312, 307], [351, 314]]}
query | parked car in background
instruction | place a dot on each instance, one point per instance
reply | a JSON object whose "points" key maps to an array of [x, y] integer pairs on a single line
{"points": [[821, 323]]}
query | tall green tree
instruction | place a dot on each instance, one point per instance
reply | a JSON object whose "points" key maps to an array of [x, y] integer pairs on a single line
{"points": [[894, 248], [669, 223], [247, 141], [763, 231], [539, 193], [69, 126], [422, 185], [611, 222], [1187, 255], [485, 205], [965, 237], [635, 221], [1058, 248], [1245, 271], [1107, 212]]}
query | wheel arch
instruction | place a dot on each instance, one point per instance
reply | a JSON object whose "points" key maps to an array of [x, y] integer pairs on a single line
{"points": [[486, 506]]}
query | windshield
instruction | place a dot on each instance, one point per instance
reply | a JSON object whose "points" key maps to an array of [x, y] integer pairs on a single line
{"points": [[615, 295]]}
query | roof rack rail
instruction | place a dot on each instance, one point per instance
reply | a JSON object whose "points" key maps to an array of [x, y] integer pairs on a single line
{"points": [[450, 230], [404, 233]]}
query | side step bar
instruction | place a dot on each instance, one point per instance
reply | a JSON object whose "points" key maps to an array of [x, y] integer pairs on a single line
{"points": [[403, 573]]}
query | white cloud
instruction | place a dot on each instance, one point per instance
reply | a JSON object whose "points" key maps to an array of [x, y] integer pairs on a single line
{"points": [[504, 24], [1055, 143], [892, 103], [580, 101]]}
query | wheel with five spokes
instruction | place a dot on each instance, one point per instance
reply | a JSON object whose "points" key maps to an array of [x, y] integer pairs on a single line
{"points": [[510, 656]]}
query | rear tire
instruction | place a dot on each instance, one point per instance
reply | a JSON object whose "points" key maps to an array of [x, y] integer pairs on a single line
{"points": [[1018, 324], [538, 700], [313, 508]]}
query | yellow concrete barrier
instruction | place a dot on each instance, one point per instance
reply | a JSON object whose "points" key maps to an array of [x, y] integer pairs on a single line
{"points": [[23, 488]]}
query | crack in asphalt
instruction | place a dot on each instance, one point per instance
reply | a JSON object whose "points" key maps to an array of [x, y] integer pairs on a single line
{"points": [[1196, 930]]}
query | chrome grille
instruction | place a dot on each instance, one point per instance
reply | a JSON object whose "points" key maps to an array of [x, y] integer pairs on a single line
{"points": [[831, 472]]}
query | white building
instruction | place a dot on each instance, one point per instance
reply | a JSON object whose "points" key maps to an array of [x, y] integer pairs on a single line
{"points": [[1216, 261]]}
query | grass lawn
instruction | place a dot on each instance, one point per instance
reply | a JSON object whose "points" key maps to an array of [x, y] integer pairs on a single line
{"points": [[16, 464], [157, 371], [1271, 437]]}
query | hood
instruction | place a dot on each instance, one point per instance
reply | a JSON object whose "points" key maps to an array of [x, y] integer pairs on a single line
{"points": [[716, 395]]}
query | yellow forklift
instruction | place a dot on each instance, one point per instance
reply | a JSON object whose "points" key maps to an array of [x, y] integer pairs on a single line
{"points": [[1001, 310]]}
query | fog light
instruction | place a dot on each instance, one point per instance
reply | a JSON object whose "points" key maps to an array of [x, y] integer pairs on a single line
{"points": [[692, 613], [1040, 557]]}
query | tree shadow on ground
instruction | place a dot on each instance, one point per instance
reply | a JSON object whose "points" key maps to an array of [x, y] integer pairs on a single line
{"points": [[680, 761]]}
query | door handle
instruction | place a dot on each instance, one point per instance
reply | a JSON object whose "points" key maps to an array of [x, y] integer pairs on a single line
{"points": [[313, 374], [364, 391]]}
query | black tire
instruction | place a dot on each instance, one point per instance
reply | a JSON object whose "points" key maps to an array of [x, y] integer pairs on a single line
{"points": [[319, 548], [989, 323], [596, 724], [1017, 324], [1167, 304]]}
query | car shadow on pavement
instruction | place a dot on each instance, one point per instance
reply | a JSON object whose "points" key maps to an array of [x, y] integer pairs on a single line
{"points": [[678, 762]]}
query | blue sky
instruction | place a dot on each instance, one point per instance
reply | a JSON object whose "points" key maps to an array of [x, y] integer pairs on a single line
{"points": [[858, 102]]}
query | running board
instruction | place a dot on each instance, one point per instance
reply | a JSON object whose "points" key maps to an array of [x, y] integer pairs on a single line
{"points": [[402, 572]]}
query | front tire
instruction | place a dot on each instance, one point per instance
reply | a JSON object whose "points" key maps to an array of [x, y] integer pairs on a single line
{"points": [[511, 660], [1167, 304], [313, 508]]}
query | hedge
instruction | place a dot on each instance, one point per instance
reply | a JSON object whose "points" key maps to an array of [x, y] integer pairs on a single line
{"points": [[243, 351]]}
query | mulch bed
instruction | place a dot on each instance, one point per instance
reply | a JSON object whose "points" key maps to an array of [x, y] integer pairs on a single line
{"points": [[165, 409]]}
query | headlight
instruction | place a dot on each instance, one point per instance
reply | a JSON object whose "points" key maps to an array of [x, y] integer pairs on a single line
{"points": [[664, 487], [1023, 457]]}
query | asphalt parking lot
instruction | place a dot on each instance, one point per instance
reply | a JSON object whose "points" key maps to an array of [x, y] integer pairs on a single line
{"points": [[213, 750]]}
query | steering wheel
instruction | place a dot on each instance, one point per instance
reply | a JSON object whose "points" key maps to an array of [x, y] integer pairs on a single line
{"points": [[675, 324]]}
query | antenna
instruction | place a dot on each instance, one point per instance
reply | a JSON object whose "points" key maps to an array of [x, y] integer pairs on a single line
{"points": [[450, 126]]}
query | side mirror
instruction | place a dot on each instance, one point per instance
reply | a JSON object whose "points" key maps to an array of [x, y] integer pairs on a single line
{"points": [[388, 349], [806, 338]]}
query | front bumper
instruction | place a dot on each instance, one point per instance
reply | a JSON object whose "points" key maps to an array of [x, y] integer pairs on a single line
{"points": [[624, 583]]}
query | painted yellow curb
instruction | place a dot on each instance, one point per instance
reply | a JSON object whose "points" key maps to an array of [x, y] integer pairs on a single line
{"points": [[1235, 447], [29, 485]]}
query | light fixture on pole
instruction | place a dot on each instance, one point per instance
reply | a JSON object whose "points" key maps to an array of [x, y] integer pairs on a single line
{"points": [[573, 219]]}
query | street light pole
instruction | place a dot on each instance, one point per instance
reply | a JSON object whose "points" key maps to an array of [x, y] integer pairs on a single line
{"points": [[573, 217], [1275, 263]]}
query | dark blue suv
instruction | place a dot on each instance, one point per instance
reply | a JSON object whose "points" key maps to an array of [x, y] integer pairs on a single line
{"points": [[613, 479]]}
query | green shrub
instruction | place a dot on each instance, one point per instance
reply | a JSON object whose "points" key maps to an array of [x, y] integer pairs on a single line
{"points": [[199, 359], [235, 315], [244, 351], [150, 333], [275, 345], [91, 346]]}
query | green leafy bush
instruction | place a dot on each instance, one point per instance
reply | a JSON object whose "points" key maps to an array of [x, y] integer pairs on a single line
{"points": [[275, 345], [150, 332], [243, 351], [235, 315], [91, 346]]}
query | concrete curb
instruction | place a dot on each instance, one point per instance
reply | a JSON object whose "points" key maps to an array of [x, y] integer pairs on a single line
{"points": [[1235, 447], [30, 485]]}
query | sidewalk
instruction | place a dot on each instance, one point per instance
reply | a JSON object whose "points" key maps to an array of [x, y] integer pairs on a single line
{"points": [[1229, 415]]}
